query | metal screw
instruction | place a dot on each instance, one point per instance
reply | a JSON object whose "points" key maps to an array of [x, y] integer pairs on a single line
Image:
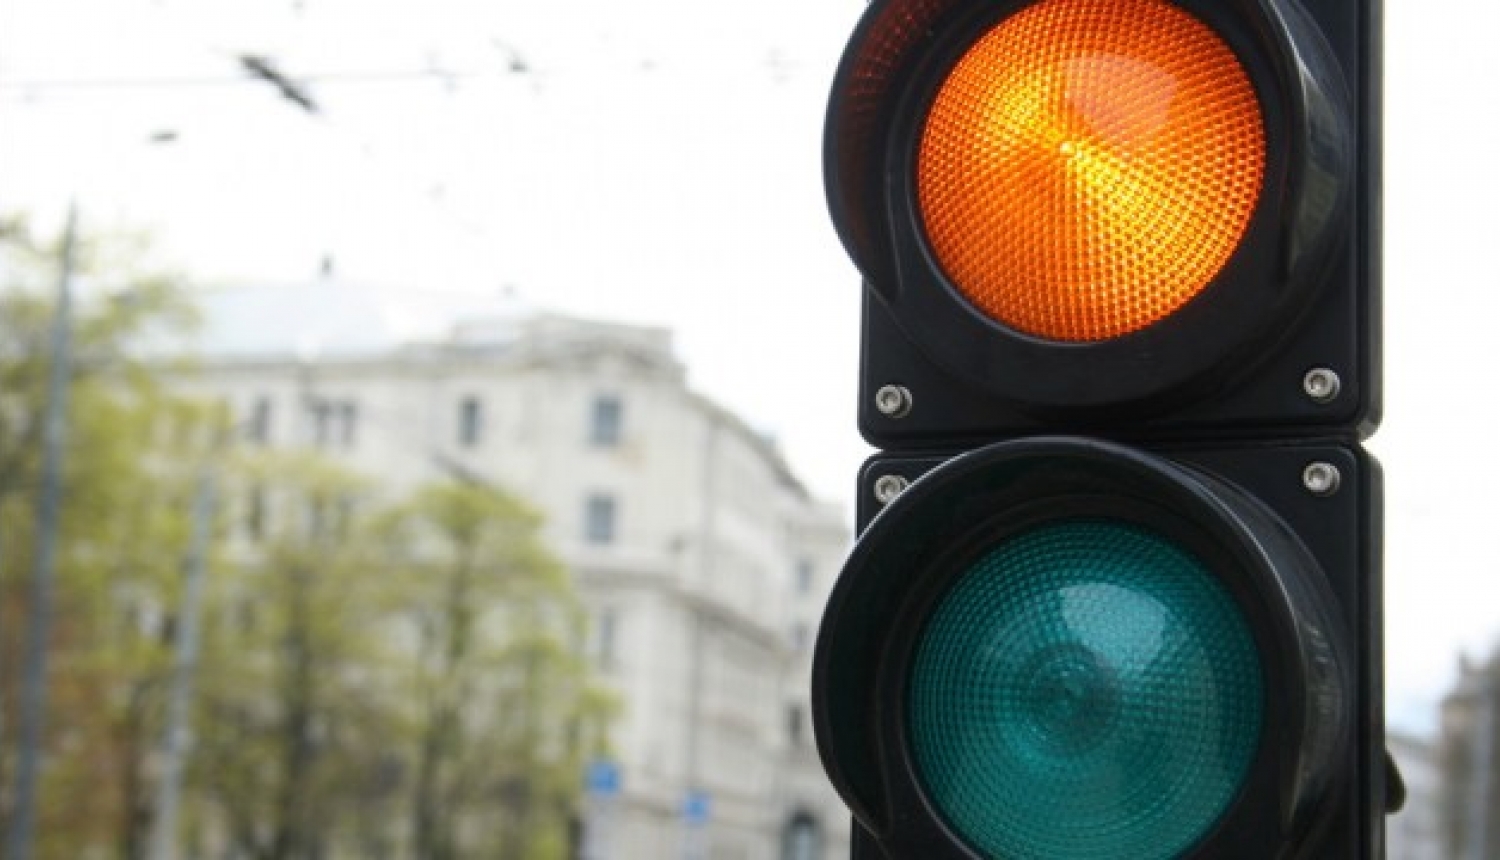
{"points": [[1321, 384], [888, 487], [893, 401], [1321, 479]]}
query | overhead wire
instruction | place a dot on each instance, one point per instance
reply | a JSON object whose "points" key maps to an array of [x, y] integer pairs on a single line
{"points": [[370, 76]]}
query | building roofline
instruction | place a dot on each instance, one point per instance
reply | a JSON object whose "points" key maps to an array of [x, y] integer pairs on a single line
{"points": [[521, 339]]}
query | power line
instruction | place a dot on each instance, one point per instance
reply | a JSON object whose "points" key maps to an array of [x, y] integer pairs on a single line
{"points": [[265, 69], [370, 76], [367, 77]]}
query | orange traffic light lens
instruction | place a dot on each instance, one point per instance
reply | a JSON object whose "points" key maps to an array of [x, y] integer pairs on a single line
{"points": [[1089, 166]]}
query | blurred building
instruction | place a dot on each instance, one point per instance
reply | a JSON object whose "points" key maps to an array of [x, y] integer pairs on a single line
{"points": [[1415, 833], [702, 561], [1469, 759]]}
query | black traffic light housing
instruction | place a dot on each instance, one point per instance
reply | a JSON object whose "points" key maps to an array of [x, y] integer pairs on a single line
{"points": [[1302, 561], [1229, 426], [1301, 292]]}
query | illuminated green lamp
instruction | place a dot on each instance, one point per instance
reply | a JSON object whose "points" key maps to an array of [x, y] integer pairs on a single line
{"points": [[1087, 690]]}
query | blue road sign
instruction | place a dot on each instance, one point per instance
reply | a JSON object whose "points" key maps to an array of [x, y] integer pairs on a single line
{"points": [[696, 807], [602, 778]]}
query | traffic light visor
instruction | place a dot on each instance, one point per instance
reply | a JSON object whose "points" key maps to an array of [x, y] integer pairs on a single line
{"points": [[1086, 689], [1087, 167]]}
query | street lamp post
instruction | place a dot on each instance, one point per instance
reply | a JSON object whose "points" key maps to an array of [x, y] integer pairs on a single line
{"points": [[33, 703]]}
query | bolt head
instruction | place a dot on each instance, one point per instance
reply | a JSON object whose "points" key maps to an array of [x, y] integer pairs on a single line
{"points": [[888, 487], [1321, 384], [893, 401], [1321, 479]]}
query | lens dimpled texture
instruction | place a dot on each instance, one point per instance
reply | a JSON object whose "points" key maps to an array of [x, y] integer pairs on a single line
{"points": [[1089, 166], [1086, 691]]}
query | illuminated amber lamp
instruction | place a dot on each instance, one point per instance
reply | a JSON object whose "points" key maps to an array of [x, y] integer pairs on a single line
{"points": [[1088, 167]]}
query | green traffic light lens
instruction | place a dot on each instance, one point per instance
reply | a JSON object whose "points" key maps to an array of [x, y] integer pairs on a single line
{"points": [[1087, 690]]}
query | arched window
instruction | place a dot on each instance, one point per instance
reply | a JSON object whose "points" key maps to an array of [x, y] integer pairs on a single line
{"points": [[802, 839]]}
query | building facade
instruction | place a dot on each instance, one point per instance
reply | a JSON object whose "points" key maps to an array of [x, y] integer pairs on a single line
{"points": [[701, 560], [1415, 832], [1468, 758]]}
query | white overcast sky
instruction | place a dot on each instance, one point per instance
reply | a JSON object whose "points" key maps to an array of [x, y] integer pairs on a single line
{"points": [[658, 161]]}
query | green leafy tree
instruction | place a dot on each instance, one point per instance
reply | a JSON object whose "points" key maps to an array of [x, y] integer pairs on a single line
{"points": [[406, 684], [501, 709], [124, 525], [293, 718]]}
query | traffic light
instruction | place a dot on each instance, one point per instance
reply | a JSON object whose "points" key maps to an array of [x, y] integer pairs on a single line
{"points": [[1117, 588]]}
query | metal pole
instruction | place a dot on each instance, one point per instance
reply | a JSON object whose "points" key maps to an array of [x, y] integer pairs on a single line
{"points": [[177, 735], [598, 827], [49, 502]]}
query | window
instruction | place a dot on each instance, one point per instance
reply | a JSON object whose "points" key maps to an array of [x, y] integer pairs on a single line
{"points": [[599, 519], [794, 725], [608, 629], [348, 417], [804, 575], [258, 426], [604, 427], [802, 839], [334, 423], [470, 422], [322, 418]]}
